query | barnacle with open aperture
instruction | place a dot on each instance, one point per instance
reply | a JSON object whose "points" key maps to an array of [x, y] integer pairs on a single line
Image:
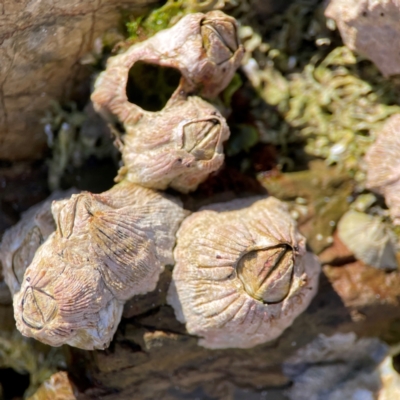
{"points": [[242, 273], [107, 248], [383, 165]]}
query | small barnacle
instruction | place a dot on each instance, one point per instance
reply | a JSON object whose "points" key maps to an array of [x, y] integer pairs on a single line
{"points": [[369, 239], [242, 273], [184, 144], [21, 241], [383, 166], [106, 248]]}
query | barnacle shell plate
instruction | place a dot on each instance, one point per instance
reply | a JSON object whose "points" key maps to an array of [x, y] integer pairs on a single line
{"points": [[242, 273], [107, 248], [21, 241], [184, 145], [369, 239]]}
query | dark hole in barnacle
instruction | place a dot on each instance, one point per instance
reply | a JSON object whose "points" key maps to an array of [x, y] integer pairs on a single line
{"points": [[151, 86]]}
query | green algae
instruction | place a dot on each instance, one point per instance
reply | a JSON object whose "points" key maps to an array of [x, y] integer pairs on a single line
{"points": [[144, 26], [316, 91]]}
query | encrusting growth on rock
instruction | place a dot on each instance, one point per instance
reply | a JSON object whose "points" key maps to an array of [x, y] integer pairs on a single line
{"points": [[107, 248], [383, 166], [180, 145], [242, 273]]}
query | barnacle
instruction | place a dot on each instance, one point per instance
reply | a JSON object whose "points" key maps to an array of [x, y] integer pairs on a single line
{"points": [[107, 248], [203, 47], [181, 144], [177, 147], [383, 165], [20, 242], [242, 273], [370, 28], [369, 239]]}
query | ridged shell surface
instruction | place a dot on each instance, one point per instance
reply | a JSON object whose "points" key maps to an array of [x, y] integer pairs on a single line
{"points": [[242, 273]]}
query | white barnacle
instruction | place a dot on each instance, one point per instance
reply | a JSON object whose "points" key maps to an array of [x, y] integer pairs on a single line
{"points": [[178, 147], [107, 248], [242, 273]]}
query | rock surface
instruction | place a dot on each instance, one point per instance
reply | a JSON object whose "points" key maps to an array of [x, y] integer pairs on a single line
{"points": [[370, 28], [41, 43]]}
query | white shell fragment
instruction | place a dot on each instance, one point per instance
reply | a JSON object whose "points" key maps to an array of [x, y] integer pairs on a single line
{"points": [[371, 28], [180, 145], [383, 166], [107, 248], [369, 239], [21, 241], [242, 273]]}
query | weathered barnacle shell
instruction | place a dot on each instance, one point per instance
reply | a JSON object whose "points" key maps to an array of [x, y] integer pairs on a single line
{"points": [[370, 28], [369, 239], [107, 248], [177, 147], [203, 47], [21, 241], [383, 166], [242, 273], [181, 144]]}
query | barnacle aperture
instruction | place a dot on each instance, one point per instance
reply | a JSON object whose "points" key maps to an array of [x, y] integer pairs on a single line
{"points": [[242, 273], [106, 248], [178, 147], [21, 241], [383, 165]]}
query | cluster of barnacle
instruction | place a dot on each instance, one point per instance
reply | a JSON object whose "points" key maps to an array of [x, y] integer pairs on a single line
{"points": [[242, 271]]}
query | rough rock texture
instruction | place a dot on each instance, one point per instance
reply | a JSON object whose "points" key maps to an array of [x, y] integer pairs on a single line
{"points": [[57, 387], [335, 368], [370, 28], [41, 43], [242, 274]]}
